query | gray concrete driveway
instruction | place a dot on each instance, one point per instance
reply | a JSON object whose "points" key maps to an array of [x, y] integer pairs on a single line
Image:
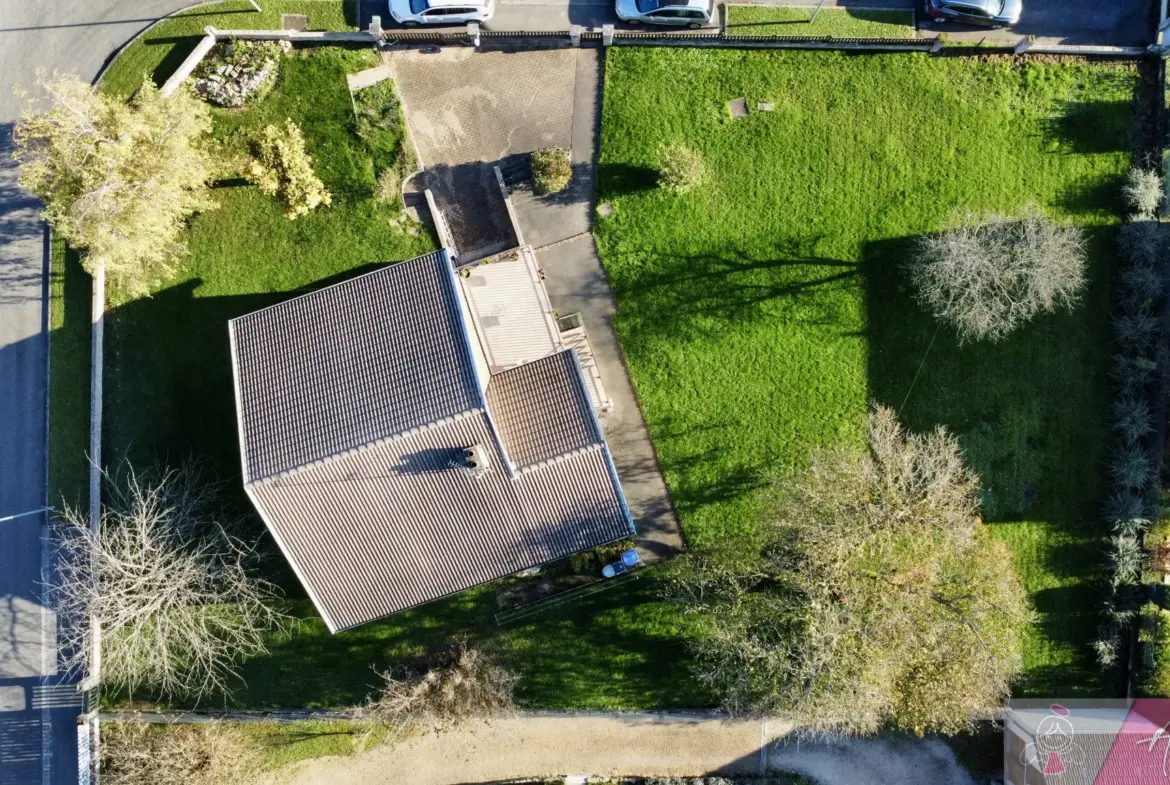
{"points": [[38, 734]]}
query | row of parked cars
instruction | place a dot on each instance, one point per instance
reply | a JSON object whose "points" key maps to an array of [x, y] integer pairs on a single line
{"points": [[691, 13], [410, 13]]}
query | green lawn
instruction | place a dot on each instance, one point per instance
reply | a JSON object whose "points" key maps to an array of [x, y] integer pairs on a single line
{"points": [[761, 313], [69, 348], [836, 22], [162, 48]]}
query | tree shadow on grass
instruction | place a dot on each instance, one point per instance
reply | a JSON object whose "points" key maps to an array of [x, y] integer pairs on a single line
{"points": [[703, 293], [1029, 411], [620, 179], [624, 645], [1031, 415], [1086, 127]]}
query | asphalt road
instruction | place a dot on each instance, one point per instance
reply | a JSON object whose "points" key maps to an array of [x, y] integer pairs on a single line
{"points": [[38, 732]]}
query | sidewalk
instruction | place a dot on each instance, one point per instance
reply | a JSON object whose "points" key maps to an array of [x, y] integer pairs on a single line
{"points": [[636, 744]]}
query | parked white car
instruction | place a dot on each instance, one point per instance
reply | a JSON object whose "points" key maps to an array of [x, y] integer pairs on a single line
{"points": [[692, 13], [411, 13]]}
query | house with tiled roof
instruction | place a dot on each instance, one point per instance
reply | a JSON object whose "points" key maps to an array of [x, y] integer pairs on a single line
{"points": [[414, 432]]}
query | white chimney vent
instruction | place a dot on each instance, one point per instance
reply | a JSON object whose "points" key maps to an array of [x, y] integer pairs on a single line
{"points": [[477, 460]]}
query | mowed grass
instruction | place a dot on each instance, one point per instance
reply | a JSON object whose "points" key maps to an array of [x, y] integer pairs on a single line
{"points": [[159, 52], [69, 356], [169, 397], [836, 22], [761, 313]]}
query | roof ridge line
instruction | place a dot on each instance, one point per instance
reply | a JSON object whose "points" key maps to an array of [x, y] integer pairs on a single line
{"points": [[547, 462], [478, 411]]}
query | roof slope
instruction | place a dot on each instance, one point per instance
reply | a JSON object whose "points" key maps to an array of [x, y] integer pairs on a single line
{"points": [[356, 404], [542, 409], [344, 366]]}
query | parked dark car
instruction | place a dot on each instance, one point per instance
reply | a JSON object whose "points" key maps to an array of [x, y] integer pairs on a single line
{"points": [[989, 13]]}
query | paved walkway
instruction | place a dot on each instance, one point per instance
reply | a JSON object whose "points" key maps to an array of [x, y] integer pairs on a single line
{"points": [[467, 111], [648, 745]]}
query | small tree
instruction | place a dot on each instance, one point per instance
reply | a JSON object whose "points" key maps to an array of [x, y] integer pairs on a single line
{"points": [[118, 181], [988, 278], [282, 167], [876, 595], [1143, 192], [462, 685], [175, 598], [551, 170], [207, 753], [681, 168]]}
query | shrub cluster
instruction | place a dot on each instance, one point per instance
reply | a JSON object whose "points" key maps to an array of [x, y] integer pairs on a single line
{"points": [[1132, 468], [463, 684], [551, 170], [210, 753], [282, 167]]}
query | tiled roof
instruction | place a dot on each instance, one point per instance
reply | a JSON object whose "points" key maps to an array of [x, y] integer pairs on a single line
{"points": [[542, 409], [394, 524], [344, 366], [355, 405]]}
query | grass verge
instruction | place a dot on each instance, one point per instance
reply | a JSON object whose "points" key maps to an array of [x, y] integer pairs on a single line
{"points": [[763, 311], [836, 22], [69, 347]]}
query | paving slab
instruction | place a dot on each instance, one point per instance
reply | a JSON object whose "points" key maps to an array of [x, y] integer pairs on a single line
{"points": [[466, 110]]}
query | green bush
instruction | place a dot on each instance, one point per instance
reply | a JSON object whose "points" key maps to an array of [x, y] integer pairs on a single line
{"points": [[551, 170], [282, 168], [1155, 634], [680, 168]]}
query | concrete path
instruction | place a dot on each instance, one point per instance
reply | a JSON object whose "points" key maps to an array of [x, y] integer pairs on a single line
{"points": [[640, 744], [647, 745], [38, 734], [467, 111]]}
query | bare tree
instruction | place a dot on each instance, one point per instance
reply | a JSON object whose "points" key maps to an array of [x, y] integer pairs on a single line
{"points": [[1143, 192], [464, 684], [168, 583], [988, 278], [875, 595], [209, 753]]}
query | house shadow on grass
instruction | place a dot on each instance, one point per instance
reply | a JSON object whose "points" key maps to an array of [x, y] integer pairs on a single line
{"points": [[169, 394]]}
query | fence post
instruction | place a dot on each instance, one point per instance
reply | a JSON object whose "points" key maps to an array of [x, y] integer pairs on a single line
{"points": [[376, 27], [940, 41], [723, 20], [607, 35], [473, 33], [575, 35], [1025, 44]]}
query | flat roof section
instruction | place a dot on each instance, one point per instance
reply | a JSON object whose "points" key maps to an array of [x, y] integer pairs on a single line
{"points": [[510, 310]]}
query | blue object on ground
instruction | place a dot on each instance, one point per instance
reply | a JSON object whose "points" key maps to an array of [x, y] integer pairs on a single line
{"points": [[630, 558]]}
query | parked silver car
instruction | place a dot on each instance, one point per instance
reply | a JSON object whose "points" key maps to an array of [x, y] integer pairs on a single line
{"points": [[692, 13], [411, 13], [989, 13]]}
